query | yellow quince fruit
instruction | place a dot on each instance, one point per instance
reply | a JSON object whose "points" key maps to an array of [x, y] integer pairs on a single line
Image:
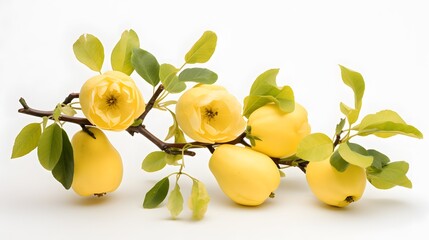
{"points": [[209, 114], [333, 187], [111, 101], [278, 133], [97, 164], [246, 176]]}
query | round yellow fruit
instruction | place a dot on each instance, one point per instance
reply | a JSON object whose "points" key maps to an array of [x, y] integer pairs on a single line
{"points": [[279, 133], [97, 164], [333, 187], [246, 176]]}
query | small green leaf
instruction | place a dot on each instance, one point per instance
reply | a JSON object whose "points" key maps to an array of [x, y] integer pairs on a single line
{"points": [[57, 113], [384, 124], [264, 90], [199, 75], [203, 49], [351, 114], [355, 81], [26, 140], [171, 159], [64, 169], [379, 117], [67, 110], [173, 128], [50, 146], [156, 194], [179, 136], [44, 122], [146, 66], [251, 103], [380, 160], [121, 54], [169, 79], [340, 126], [199, 200], [175, 202], [338, 162], [355, 154], [315, 147], [154, 161], [284, 99], [265, 82], [392, 174], [137, 122], [89, 51]]}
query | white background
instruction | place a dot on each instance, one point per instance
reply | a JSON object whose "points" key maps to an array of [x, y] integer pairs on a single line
{"points": [[387, 41]]}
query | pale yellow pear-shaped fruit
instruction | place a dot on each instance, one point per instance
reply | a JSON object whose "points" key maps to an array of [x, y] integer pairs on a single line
{"points": [[278, 133], [246, 176], [97, 164], [333, 187]]}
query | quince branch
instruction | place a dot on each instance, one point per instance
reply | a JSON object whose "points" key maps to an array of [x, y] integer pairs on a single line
{"points": [[170, 148]]}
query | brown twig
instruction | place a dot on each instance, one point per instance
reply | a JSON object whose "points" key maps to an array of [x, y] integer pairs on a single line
{"points": [[152, 101], [70, 98], [170, 148]]}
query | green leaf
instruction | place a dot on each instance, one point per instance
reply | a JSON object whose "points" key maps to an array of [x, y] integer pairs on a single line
{"points": [[251, 103], [179, 136], [285, 99], [388, 129], [156, 194], [340, 126], [315, 147], [199, 75], [121, 54], [355, 154], [265, 82], [50, 146], [384, 124], [338, 162], [64, 169], [351, 114], [392, 174], [146, 66], [154, 161], [199, 200], [175, 202], [355, 81], [137, 122], [169, 79], [379, 117], [26, 140], [44, 122], [380, 160], [57, 113], [203, 49], [174, 130], [89, 51], [67, 110], [264, 90], [171, 159]]}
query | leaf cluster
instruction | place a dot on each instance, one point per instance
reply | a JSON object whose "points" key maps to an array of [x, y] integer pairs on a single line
{"points": [[341, 152], [54, 150]]}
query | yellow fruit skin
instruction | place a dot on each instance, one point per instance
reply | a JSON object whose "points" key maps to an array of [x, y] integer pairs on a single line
{"points": [[333, 187], [244, 175], [279, 132], [97, 164]]}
